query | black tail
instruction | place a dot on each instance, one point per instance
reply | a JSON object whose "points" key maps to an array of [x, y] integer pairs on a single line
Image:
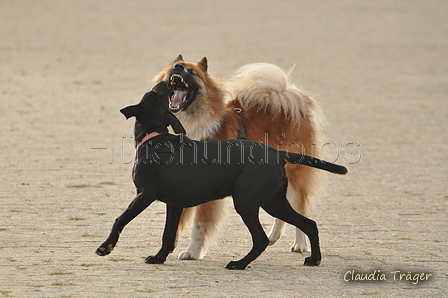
{"points": [[313, 162]]}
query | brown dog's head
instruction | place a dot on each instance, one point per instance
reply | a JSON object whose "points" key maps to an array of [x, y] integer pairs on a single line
{"points": [[185, 82], [152, 113]]}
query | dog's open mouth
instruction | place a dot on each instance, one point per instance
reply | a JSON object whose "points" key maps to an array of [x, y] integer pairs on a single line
{"points": [[180, 93]]}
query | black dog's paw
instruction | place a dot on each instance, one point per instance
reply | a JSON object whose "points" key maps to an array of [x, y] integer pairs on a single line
{"points": [[104, 249], [236, 265], [310, 261], [154, 260]]}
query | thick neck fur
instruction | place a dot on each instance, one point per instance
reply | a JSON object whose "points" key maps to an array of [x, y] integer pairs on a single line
{"points": [[202, 120], [203, 127]]}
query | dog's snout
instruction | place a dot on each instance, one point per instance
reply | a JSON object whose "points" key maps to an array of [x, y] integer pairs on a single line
{"points": [[179, 67]]}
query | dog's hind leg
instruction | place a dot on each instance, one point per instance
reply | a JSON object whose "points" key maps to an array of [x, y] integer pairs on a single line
{"points": [[207, 219], [259, 239], [246, 199], [139, 204], [300, 245], [279, 225], [298, 197], [280, 208], [173, 215], [305, 184]]}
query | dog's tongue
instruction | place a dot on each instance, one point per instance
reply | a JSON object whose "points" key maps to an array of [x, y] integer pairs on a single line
{"points": [[178, 97]]}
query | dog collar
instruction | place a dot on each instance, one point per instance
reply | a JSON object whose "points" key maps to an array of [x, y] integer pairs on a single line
{"points": [[147, 137]]}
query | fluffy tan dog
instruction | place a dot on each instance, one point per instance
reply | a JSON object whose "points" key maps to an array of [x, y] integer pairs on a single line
{"points": [[260, 104]]}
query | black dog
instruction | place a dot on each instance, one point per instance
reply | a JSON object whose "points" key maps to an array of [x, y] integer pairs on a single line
{"points": [[185, 173]]}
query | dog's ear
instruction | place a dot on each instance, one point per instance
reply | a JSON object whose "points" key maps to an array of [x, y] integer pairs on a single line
{"points": [[179, 58], [175, 124], [161, 88], [203, 64], [130, 111]]}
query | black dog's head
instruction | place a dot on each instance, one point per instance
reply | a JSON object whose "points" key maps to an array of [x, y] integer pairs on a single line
{"points": [[152, 113]]}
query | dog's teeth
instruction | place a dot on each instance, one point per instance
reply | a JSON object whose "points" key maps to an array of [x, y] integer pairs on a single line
{"points": [[181, 80]]}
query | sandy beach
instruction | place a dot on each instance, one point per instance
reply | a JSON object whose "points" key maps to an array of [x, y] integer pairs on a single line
{"points": [[379, 69]]}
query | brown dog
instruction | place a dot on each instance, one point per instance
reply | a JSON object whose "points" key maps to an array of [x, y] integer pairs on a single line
{"points": [[183, 173], [270, 109]]}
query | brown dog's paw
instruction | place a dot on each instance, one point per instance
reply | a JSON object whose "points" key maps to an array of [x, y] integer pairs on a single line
{"points": [[310, 261]]}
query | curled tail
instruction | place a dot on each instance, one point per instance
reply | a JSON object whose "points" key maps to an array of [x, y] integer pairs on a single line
{"points": [[313, 162], [267, 88]]}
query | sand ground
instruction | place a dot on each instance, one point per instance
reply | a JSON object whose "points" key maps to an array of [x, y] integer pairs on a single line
{"points": [[379, 68]]}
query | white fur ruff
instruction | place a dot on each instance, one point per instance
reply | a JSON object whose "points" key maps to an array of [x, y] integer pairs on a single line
{"points": [[200, 122]]}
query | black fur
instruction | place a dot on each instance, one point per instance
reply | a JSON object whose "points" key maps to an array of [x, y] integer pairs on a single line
{"points": [[184, 173]]}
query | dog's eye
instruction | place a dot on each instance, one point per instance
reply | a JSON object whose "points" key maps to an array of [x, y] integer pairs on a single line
{"points": [[191, 71]]}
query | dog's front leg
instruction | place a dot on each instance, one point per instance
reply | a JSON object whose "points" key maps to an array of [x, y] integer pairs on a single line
{"points": [[139, 204], [173, 215]]}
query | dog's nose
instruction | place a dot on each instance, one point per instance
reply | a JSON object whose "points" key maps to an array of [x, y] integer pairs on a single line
{"points": [[179, 67]]}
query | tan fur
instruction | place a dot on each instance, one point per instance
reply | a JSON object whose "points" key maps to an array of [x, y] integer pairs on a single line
{"points": [[203, 118], [276, 113], [282, 135]]}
